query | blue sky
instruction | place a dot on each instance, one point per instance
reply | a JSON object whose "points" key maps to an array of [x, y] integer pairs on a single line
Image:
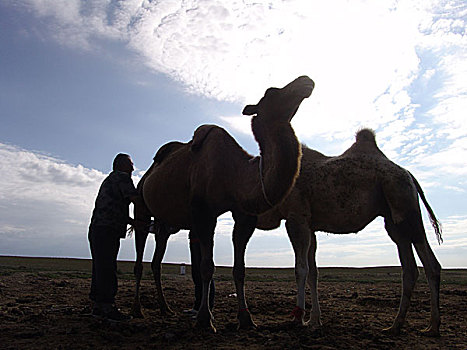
{"points": [[81, 81]]}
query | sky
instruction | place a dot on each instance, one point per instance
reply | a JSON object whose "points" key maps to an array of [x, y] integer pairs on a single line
{"points": [[81, 81]]}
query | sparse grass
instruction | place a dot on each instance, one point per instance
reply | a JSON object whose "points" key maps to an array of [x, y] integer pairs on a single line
{"points": [[81, 268]]}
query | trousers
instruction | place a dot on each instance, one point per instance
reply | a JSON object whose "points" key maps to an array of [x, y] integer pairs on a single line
{"points": [[104, 243]]}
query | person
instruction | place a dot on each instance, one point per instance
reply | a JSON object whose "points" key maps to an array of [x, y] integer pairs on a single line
{"points": [[108, 225], [195, 257]]}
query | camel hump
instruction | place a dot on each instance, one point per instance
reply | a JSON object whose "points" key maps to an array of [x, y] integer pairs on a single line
{"points": [[365, 135], [365, 143], [200, 135], [165, 150]]}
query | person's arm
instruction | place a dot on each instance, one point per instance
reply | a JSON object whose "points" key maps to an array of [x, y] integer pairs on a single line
{"points": [[137, 200], [138, 203], [129, 192]]}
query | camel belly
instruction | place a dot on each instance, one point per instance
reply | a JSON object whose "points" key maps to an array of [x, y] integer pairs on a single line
{"points": [[344, 217], [346, 209]]}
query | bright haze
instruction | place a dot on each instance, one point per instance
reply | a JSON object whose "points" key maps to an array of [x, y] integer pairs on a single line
{"points": [[81, 81]]}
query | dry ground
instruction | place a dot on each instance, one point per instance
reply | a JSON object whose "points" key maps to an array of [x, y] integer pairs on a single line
{"points": [[44, 305]]}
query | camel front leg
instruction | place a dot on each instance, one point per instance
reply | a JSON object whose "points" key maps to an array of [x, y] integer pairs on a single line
{"points": [[140, 242], [204, 317], [162, 236], [243, 229], [299, 236], [315, 316], [204, 224]]}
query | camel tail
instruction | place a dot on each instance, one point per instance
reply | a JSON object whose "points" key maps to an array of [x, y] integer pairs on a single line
{"points": [[143, 213], [434, 221]]}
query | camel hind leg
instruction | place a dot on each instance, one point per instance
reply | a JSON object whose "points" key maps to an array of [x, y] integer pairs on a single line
{"points": [[142, 219], [162, 236], [429, 261], [400, 234], [433, 272], [140, 242]]}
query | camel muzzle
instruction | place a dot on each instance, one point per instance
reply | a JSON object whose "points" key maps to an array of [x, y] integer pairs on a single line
{"points": [[302, 86]]}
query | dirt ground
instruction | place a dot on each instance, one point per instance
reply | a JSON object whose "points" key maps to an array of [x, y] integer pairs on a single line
{"points": [[42, 308]]}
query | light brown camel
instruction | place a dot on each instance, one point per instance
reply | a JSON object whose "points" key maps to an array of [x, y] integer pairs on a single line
{"points": [[189, 185], [344, 194]]}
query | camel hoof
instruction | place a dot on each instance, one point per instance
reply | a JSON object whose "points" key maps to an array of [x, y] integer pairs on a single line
{"points": [[136, 312], [205, 326], [300, 323], [393, 330], [167, 311], [431, 332], [247, 325], [245, 321], [314, 322], [204, 320], [298, 315]]}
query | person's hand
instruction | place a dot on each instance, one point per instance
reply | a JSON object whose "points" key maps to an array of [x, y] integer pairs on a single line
{"points": [[137, 225], [140, 225]]}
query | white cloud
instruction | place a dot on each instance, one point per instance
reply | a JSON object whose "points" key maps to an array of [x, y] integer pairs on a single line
{"points": [[44, 201], [363, 56], [41, 177]]}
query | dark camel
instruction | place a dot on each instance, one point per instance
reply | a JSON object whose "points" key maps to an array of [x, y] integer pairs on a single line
{"points": [[344, 194], [189, 185]]}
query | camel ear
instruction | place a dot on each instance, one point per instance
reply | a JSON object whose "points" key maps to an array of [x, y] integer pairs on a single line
{"points": [[250, 110]]}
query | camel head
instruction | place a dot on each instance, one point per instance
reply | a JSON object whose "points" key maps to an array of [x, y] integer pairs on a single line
{"points": [[282, 104], [280, 150]]}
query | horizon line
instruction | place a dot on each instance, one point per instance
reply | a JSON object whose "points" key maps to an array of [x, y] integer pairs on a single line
{"points": [[227, 266]]}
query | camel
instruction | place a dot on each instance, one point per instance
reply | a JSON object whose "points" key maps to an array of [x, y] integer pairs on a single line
{"points": [[190, 184], [344, 194]]}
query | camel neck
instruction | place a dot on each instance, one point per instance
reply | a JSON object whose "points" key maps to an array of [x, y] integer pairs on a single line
{"points": [[280, 160]]}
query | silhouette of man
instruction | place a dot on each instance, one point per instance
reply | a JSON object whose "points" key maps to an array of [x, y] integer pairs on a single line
{"points": [[109, 222]]}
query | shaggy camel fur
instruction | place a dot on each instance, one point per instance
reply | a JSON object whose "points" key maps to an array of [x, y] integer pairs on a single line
{"points": [[344, 194], [189, 185]]}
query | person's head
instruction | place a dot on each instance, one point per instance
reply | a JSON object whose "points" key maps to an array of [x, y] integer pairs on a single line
{"points": [[123, 162]]}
